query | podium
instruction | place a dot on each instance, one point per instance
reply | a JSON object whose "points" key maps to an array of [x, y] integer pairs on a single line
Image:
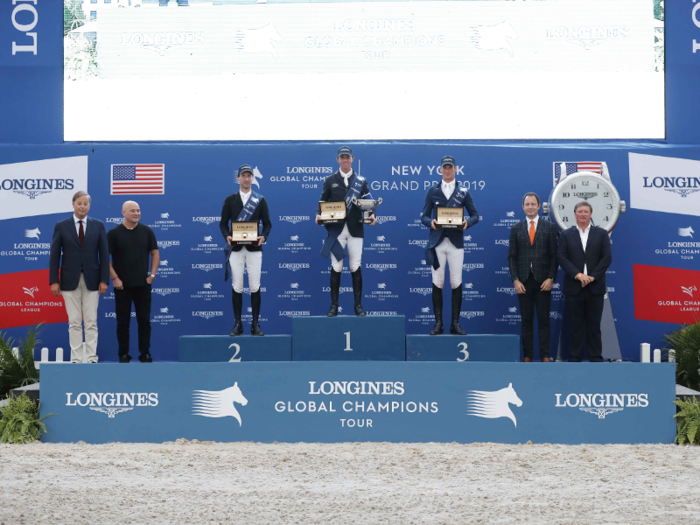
{"points": [[463, 348], [222, 348], [349, 338]]}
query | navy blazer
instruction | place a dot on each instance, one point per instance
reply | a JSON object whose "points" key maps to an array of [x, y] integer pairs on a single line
{"points": [[597, 258], [91, 259], [539, 257], [436, 198], [230, 212], [334, 190]]}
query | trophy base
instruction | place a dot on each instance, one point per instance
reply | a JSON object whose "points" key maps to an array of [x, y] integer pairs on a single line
{"points": [[448, 226], [243, 243], [323, 222]]}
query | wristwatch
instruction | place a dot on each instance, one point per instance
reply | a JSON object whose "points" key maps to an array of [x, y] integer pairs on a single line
{"points": [[152, 275], [596, 189]]}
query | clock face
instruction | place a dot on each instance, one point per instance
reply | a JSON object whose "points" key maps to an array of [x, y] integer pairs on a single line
{"points": [[589, 187]]}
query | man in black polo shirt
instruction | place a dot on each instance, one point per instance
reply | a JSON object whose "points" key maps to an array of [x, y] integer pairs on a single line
{"points": [[130, 245]]}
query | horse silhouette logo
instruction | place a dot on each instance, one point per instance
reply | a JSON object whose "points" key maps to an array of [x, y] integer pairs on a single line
{"points": [[207, 286], [207, 403], [425, 310], [32, 234], [257, 40], [381, 238], [295, 286], [492, 405], [468, 238], [381, 286], [513, 309], [164, 310], [510, 214], [556, 286], [468, 286], [689, 290], [294, 237], [686, 232], [33, 289], [165, 215], [164, 262], [208, 238], [493, 38]]}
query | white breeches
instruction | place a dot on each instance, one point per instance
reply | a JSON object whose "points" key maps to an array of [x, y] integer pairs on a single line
{"points": [[448, 253], [252, 261], [354, 245]]}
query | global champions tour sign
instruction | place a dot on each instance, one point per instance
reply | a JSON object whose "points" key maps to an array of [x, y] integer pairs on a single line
{"points": [[360, 401]]}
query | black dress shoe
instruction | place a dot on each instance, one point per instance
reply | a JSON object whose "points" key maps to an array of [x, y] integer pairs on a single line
{"points": [[437, 329], [124, 358], [359, 311], [237, 329], [255, 330], [332, 311], [146, 358]]}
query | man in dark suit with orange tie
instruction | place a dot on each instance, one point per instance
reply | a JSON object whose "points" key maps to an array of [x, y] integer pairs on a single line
{"points": [[79, 248], [532, 260], [584, 254]]}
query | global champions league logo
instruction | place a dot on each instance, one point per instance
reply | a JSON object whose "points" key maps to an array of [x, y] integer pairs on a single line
{"points": [[492, 405]]}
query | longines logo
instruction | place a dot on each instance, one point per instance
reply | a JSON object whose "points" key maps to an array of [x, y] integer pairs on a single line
{"points": [[502, 289], [683, 186], [471, 314], [384, 312], [502, 242], [294, 219], [207, 315], [587, 36], [294, 266], [112, 403], [468, 267], [309, 169], [380, 267], [32, 188], [161, 41], [167, 244], [26, 28], [294, 313], [207, 267], [114, 220], [585, 195], [165, 291], [386, 218], [602, 404], [423, 243], [343, 289], [206, 220], [422, 291]]}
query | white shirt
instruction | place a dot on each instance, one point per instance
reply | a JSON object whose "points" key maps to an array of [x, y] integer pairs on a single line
{"points": [[346, 176], [77, 225], [245, 196], [448, 188], [584, 240]]}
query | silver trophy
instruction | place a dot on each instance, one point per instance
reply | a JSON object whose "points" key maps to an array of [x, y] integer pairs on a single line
{"points": [[367, 206]]}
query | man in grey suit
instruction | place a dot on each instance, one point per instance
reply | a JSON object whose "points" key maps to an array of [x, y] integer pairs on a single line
{"points": [[532, 260], [79, 248]]}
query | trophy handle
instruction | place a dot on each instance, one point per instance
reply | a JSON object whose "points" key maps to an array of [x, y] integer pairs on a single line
{"points": [[379, 201]]}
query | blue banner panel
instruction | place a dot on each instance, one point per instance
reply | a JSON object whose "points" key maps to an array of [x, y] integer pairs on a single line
{"points": [[346, 338], [493, 348], [360, 401], [217, 348]]}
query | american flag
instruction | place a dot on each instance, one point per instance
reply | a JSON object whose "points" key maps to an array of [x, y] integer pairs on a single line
{"points": [[573, 167], [138, 179]]}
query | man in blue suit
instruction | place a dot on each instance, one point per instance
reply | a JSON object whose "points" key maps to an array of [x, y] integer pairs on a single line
{"points": [[584, 255], [79, 248], [446, 246]]}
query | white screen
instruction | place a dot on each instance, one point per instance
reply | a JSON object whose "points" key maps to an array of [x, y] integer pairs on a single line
{"points": [[365, 70]]}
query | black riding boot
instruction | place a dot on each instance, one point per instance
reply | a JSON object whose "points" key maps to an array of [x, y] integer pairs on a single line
{"points": [[255, 303], [237, 309], [456, 310], [437, 308], [335, 292], [357, 292]]}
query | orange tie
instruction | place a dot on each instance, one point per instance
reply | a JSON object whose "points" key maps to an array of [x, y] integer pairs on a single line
{"points": [[532, 232]]}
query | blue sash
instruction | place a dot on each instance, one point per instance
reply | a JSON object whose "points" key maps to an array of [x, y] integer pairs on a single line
{"points": [[245, 215], [456, 201], [331, 245]]}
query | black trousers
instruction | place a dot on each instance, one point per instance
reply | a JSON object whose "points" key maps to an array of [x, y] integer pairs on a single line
{"points": [[141, 297], [585, 313], [533, 300]]}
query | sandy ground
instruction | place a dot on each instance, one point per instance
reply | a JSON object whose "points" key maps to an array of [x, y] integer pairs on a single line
{"points": [[249, 483]]}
